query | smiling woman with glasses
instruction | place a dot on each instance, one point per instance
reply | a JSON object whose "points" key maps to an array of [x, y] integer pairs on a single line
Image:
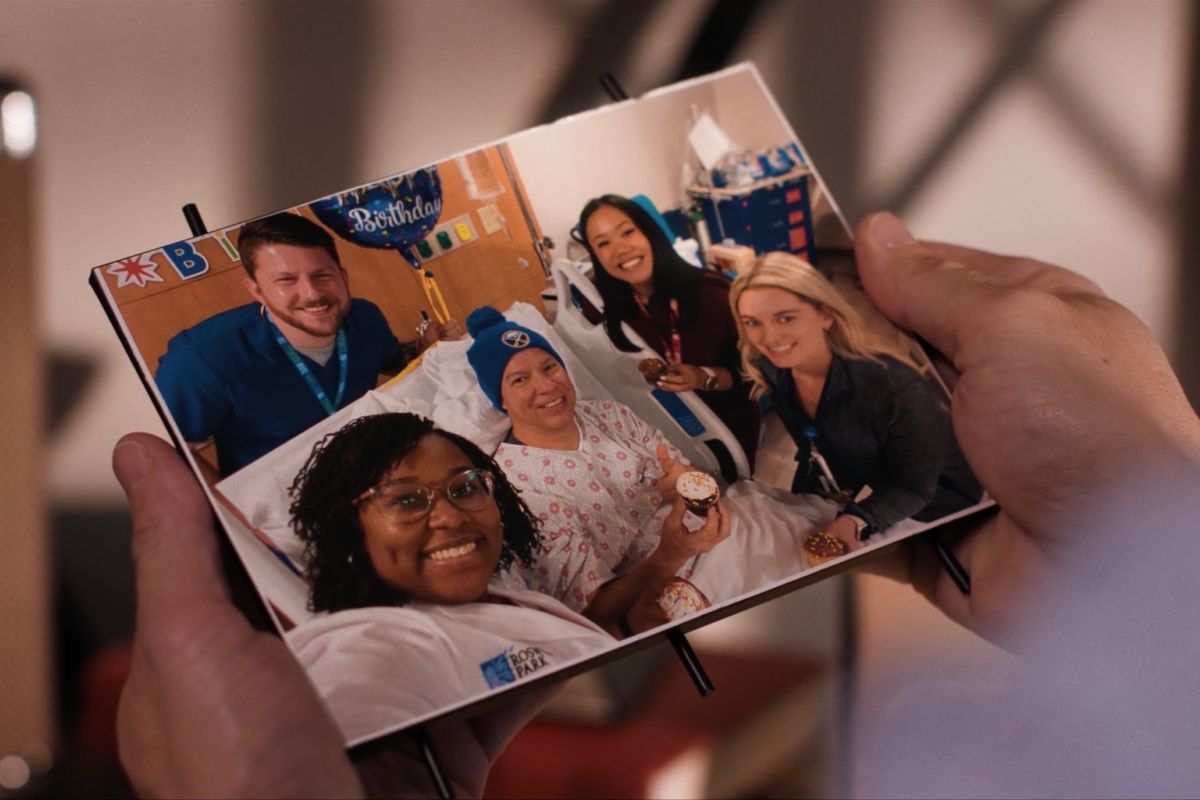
{"points": [[375, 525], [408, 530]]}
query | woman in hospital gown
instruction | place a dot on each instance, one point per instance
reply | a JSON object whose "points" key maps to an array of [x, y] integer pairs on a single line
{"points": [[602, 482]]}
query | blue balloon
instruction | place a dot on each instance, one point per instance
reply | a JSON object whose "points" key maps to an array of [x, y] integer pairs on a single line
{"points": [[394, 213]]}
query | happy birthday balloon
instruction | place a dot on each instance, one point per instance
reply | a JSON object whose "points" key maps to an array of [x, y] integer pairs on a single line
{"points": [[394, 213]]}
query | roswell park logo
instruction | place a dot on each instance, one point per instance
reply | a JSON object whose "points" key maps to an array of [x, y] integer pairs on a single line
{"points": [[512, 664], [515, 339]]}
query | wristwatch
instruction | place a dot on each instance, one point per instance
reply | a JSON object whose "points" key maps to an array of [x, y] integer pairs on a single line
{"points": [[710, 383]]}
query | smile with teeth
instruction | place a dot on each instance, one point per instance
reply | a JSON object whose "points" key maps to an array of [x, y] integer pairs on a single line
{"points": [[630, 263], [454, 551], [553, 404]]}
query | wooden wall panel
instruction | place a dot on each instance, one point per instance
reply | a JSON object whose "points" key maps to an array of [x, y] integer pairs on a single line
{"points": [[496, 269]]}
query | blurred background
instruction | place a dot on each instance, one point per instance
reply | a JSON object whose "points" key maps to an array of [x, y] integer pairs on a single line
{"points": [[1069, 131]]}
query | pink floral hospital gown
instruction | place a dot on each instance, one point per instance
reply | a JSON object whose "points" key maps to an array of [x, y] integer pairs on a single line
{"points": [[600, 513]]}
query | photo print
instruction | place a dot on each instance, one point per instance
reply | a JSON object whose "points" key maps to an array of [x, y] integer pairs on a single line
{"points": [[485, 422]]}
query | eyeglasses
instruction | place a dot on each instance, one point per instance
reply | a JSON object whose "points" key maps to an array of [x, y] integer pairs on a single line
{"points": [[404, 501]]}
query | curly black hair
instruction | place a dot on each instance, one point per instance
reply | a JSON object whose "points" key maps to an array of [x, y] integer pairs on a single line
{"points": [[349, 462]]}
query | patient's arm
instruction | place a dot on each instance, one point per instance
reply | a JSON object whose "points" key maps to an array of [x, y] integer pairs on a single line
{"points": [[610, 605]]}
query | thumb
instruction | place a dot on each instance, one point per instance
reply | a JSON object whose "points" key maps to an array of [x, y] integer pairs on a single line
{"points": [[912, 284], [941, 292], [174, 548], [664, 457]]}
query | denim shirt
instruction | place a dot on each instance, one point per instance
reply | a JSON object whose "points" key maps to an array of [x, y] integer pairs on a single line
{"points": [[879, 424]]}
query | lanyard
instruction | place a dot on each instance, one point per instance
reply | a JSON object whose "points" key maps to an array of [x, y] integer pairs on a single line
{"points": [[815, 459], [673, 342], [306, 373]]}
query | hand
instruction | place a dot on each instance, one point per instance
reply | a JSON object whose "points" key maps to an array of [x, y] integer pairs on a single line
{"points": [[646, 613], [449, 331], [677, 544], [843, 528], [672, 468], [213, 707], [1060, 394], [682, 378]]}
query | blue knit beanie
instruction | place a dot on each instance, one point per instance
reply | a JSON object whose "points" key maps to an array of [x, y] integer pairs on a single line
{"points": [[497, 340]]}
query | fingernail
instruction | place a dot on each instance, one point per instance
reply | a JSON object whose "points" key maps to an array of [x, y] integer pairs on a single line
{"points": [[130, 463], [888, 231]]}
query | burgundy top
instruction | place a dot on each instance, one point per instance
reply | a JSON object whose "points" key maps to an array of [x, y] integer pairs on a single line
{"points": [[708, 338]]}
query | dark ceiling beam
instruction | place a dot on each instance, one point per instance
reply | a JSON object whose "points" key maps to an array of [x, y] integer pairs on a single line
{"points": [[314, 71], [824, 92], [1013, 54], [718, 36], [1071, 105], [604, 46]]}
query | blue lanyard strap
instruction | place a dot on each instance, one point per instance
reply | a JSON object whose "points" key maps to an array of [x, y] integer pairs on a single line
{"points": [[306, 373], [815, 459]]}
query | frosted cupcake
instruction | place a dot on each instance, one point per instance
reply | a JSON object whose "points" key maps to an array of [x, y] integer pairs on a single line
{"points": [[680, 597], [820, 547], [652, 369], [699, 492]]}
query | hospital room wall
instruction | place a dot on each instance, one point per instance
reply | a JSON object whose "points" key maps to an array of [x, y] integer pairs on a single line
{"points": [[500, 267], [632, 149]]}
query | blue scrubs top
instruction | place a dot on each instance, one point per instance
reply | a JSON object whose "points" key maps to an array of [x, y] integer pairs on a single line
{"points": [[227, 378]]}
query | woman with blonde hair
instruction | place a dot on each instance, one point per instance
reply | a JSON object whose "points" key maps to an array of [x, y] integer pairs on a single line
{"points": [[871, 425]]}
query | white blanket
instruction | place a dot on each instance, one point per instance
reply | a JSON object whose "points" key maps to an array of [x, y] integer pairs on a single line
{"points": [[601, 514], [442, 388]]}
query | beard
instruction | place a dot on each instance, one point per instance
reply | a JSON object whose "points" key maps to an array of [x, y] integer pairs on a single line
{"points": [[325, 325]]}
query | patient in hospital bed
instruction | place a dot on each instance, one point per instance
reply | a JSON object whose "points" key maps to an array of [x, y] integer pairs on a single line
{"points": [[602, 482], [765, 527]]}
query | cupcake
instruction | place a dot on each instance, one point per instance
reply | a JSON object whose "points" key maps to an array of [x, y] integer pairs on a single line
{"points": [[820, 547], [699, 492], [652, 369], [680, 597]]}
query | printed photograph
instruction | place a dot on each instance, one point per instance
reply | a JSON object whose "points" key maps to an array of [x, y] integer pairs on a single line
{"points": [[488, 419]]}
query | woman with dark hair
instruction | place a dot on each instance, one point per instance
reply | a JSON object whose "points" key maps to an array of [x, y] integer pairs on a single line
{"points": [[680, 311], [405, 529]]}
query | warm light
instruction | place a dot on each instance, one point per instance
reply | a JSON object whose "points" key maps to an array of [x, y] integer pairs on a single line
{"points": [[18, 124], [14, 772]]}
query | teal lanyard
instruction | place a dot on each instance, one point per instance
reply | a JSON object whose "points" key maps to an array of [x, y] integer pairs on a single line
{"points": [[298, 362]]}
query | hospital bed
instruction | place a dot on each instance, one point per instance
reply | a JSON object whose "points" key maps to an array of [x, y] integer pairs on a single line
{"points": [[253, 502], [684, 418]]}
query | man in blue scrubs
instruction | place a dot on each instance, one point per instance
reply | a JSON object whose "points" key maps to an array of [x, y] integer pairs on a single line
{"points": [[253, 377]]}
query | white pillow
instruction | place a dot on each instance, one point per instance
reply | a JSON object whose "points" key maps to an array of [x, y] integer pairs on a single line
{"points": [[447, 380], [443, 389]]}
